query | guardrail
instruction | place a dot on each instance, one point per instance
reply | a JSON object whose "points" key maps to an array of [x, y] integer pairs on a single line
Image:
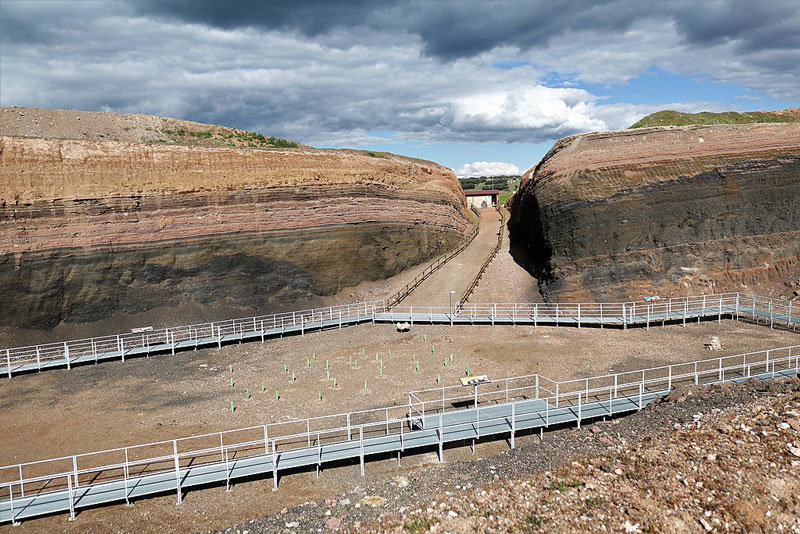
{"points": [[468, 292], [68, 353], [447, 409], [619, 315], [398, 297]]}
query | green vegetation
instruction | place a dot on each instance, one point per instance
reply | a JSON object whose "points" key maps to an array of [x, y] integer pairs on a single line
{"points": [[232, 138], [418, 525], [676, 118]]}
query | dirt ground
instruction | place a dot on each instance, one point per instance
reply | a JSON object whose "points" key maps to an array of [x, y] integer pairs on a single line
{"points": [[163, 397], [507, 278]]}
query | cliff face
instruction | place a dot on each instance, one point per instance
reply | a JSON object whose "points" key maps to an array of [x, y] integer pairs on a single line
{"points": [[90, 229], [663, 211]]}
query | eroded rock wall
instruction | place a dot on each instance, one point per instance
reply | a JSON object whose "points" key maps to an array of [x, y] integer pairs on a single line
{"points": [[90, 229], [667, 211]]}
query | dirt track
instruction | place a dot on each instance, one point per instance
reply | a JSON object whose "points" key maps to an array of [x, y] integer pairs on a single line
{"points": [[457, 274]]}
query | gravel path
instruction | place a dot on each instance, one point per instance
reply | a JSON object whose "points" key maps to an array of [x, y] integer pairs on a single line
{"points": [[720, 458], [458, 273], [505, 280]]}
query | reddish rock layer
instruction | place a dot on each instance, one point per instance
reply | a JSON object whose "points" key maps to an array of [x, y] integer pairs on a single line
{"points": [[84, 222], [663, 211]]}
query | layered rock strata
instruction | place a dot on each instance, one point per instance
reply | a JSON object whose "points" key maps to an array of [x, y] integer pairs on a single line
{"points": [[667, 211], [90, 229]]}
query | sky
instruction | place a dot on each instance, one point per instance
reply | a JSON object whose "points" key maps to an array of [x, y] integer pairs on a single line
{"points": [[482, 86]]}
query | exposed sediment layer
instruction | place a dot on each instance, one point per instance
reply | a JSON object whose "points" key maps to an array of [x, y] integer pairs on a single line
{"points": [[90, 229], [663, 211]]}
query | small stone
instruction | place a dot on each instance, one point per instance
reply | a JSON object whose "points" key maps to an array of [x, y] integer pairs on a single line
{"points": [[333, 523], [451, 513], [784, 426], [292, 524], [344, 502], [706, 525], [617, 471], [595, 429], [327, 512], [373, 500], [711, 457]]}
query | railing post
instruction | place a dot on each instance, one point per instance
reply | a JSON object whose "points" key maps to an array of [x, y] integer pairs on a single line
{"points": [[685, 310], [669, 378], [177, 471], [274, 466], [696, 376], [66, 355], [579, 316], [641, 391], [719, 316], [616, 377], [513, 423], [720, 370], [361, 445], [8, 361], [537, 388], [579, 409], [770, 314], [126, 474], [557, 394], [348, 426], [624, 318], [71, 496], [441, 439]]}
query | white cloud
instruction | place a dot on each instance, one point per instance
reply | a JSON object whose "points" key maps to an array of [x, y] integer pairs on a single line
{"points": [[487, 168]]}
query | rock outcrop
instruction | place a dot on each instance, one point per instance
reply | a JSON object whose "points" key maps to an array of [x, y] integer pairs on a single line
{"points": [[669, 211], [90, 229]]}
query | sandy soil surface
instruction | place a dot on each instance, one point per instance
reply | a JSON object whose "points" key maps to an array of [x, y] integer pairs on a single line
{"points": [[164, 397], [506, 279], [458, 273]]}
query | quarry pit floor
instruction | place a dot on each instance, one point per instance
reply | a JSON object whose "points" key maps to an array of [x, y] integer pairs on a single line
{"points": [[169, 396]]}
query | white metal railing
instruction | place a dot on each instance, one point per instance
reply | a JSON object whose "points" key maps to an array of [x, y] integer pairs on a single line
{"points": [[126, 463], [169, 338], [618, 314]]}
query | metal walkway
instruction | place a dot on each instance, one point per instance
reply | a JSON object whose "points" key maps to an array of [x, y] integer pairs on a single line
{"points": [[431, 419], [215, 334]]}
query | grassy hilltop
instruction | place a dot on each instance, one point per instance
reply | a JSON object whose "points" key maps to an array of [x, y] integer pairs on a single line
{"points": [[676, 118]]}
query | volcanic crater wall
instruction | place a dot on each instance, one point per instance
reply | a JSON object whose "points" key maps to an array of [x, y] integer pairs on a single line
{"points": [[91, 229], [665, 211]]}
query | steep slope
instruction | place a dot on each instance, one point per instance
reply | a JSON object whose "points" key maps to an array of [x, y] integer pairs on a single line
{"points": [[663, 211], [91, 229]]}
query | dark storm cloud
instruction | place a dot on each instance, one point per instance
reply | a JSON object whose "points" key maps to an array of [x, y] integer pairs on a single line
{"points": [[453, 29], [325, 72]]}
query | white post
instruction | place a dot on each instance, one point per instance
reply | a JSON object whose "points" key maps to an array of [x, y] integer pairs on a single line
{"points": [[274, 466], [513, 423], [8, 361], [125, 472], [441, 439], [685, 310], [361, 445], [579, 409], [557, 394], [71, 495], [579, 316], [66, 355], [624, 318], [177, 470], [641, 391]]}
